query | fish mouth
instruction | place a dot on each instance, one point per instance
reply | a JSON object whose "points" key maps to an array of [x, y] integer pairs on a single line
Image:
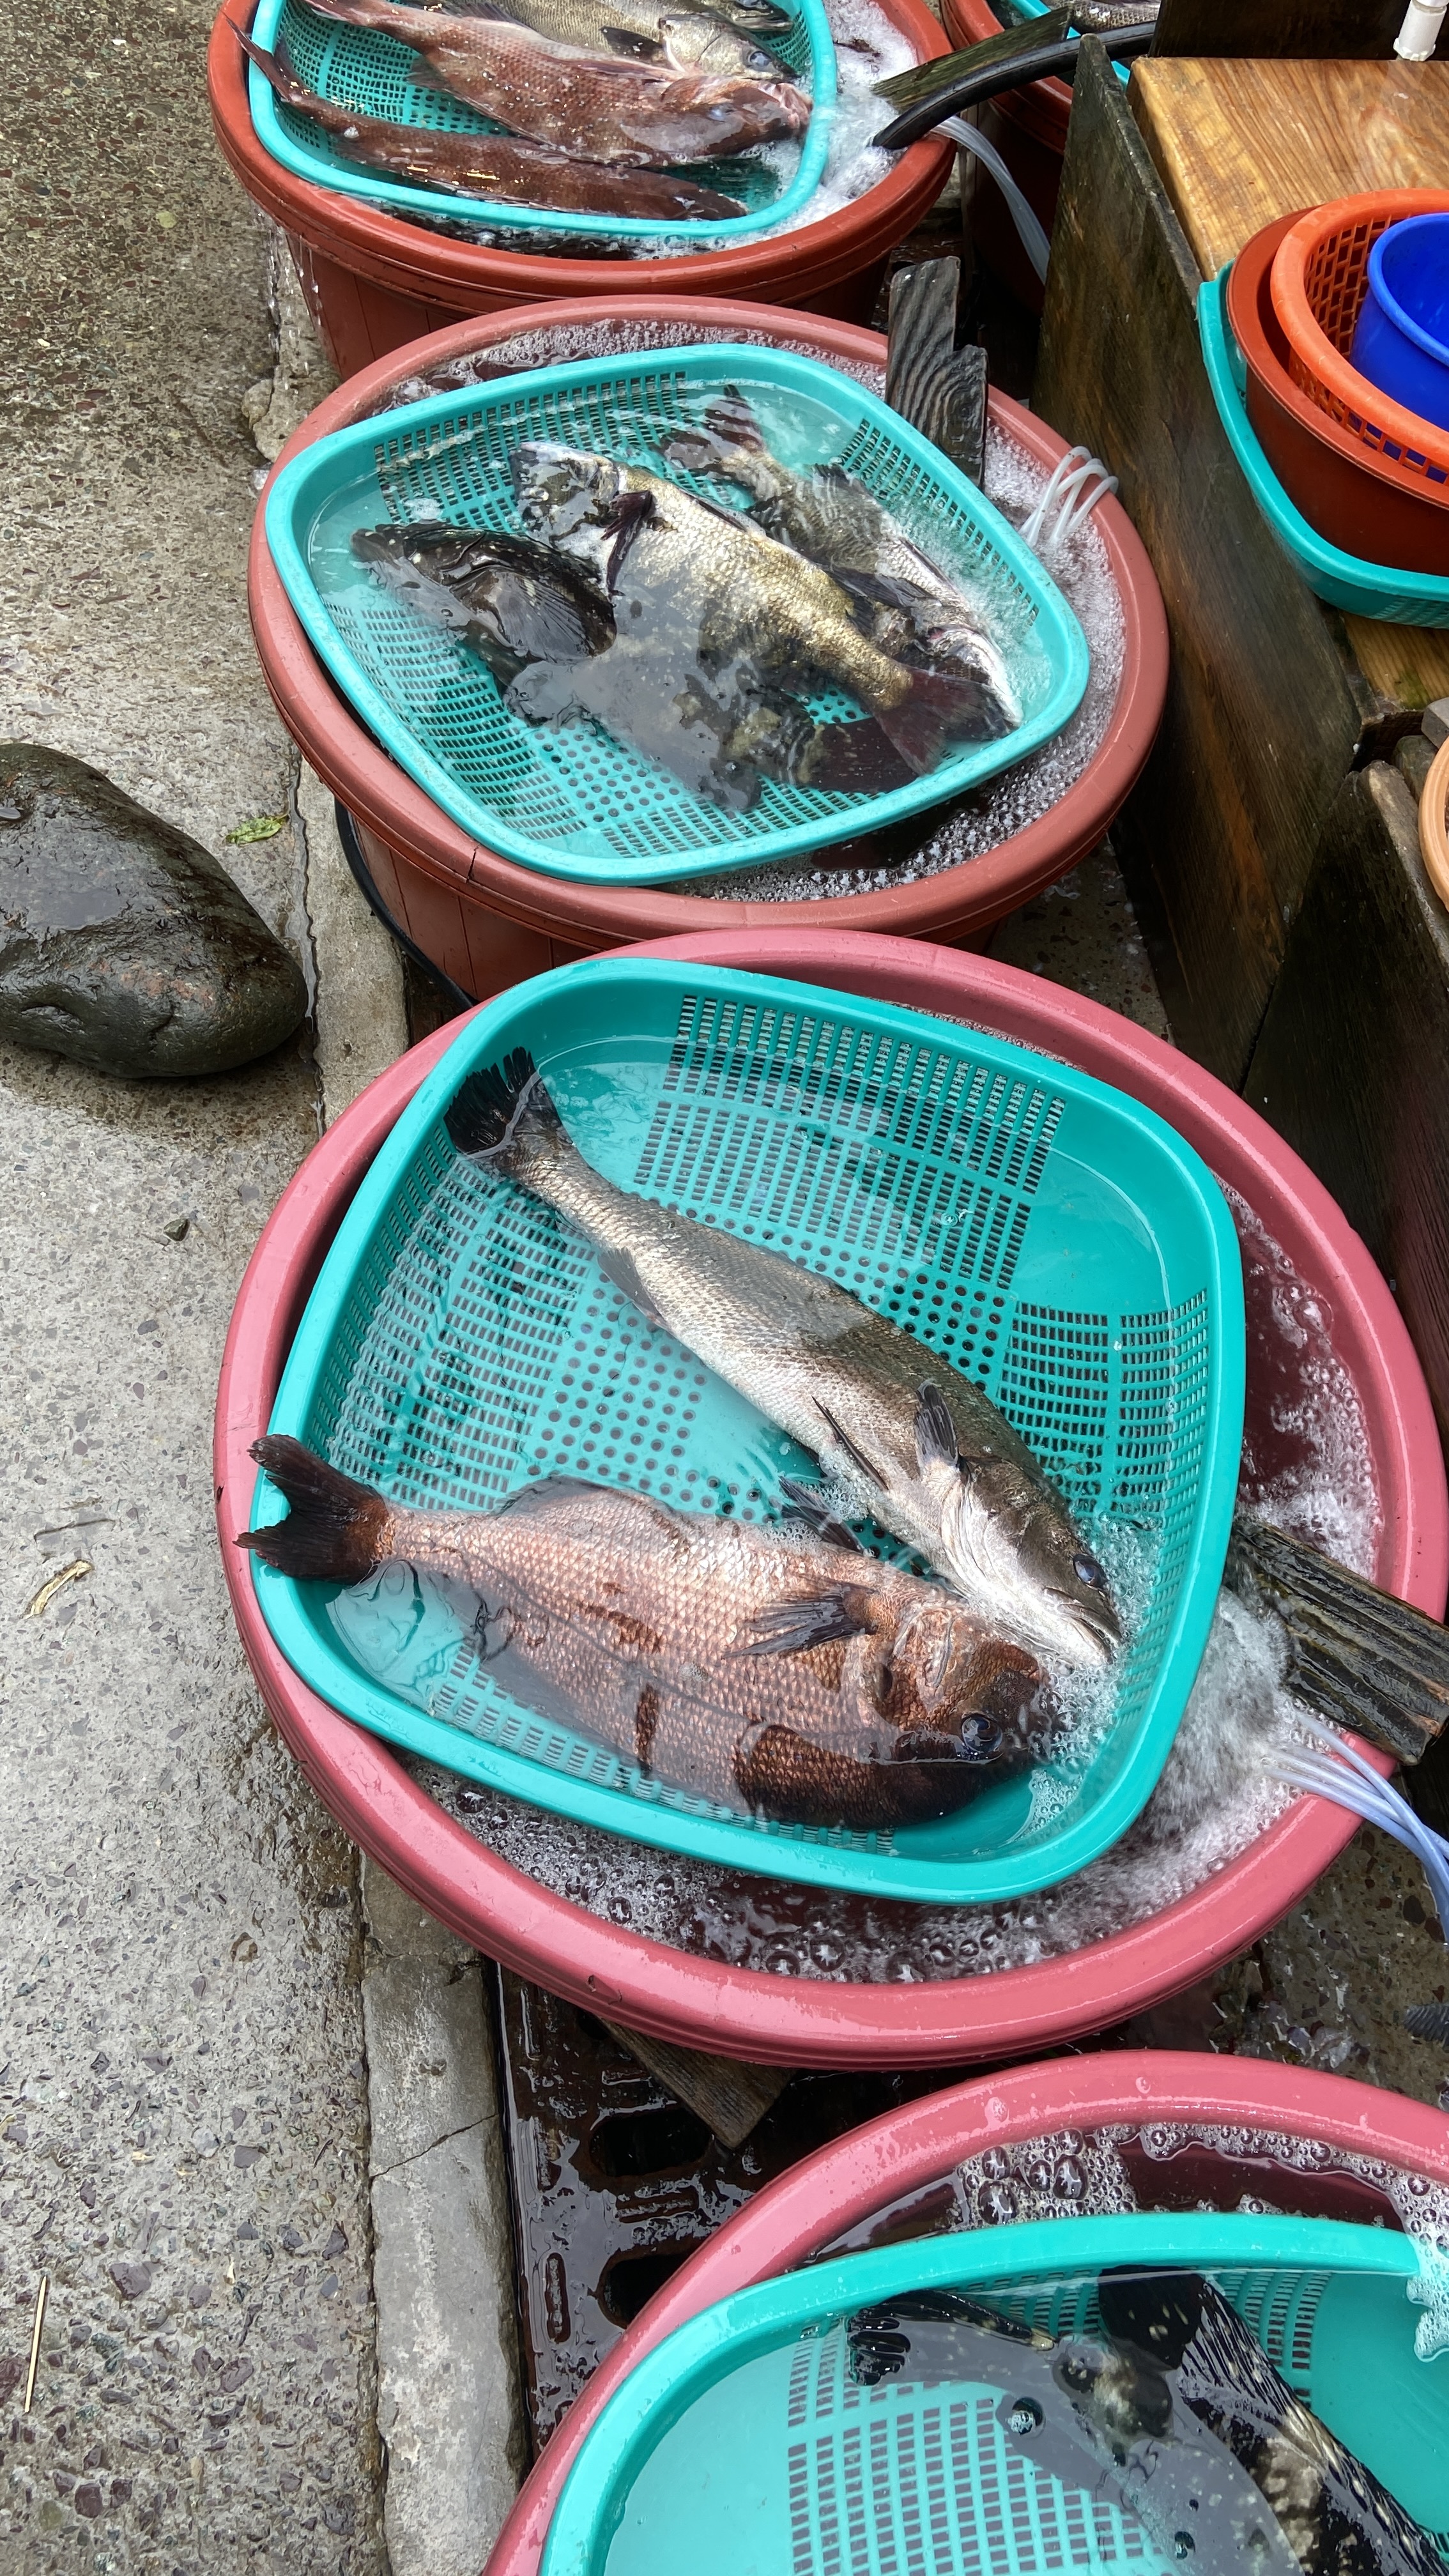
{"points": [[1095, 1628]]}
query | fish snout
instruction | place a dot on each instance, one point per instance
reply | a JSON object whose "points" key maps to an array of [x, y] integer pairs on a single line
{"points": [[383, 545]]}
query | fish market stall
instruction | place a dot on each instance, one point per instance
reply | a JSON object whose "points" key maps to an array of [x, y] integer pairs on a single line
{"points": [[377, 275], [486, 919], [1337, 1422]]}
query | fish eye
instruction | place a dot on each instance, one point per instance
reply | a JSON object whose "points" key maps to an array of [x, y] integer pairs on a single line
{"points": [[980, 1736], [1087, 1570]]}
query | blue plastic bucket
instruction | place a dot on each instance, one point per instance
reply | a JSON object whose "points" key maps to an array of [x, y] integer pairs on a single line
{"points": [[1401, 338]]}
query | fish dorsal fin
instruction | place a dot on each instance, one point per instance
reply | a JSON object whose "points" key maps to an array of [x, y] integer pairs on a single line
{"points": [[733, 420], [936, 1441], [622, 1268], [810, 1507], [808, 1619]]}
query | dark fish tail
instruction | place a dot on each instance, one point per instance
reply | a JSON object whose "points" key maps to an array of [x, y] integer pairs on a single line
{"points": [[503, 1115], [942, 709], [335, 1530]]}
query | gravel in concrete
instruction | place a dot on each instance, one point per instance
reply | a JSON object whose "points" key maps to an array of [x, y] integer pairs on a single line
{"points": [[183, 2110]]}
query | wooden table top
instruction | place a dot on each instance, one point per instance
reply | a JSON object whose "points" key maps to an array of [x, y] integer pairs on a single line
{"points": [[1239, 143]]}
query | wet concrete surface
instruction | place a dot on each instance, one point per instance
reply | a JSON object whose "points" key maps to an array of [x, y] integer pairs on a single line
{"points": [[183, 2101]]}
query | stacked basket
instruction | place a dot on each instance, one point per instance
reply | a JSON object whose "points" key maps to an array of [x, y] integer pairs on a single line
{"points": [[1352, 483]]}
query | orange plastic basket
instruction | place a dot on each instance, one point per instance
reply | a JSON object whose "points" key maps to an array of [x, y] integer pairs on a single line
{"points": [[1319, 281]]}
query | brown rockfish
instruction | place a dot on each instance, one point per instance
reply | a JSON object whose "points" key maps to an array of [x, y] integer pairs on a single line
{"points": [[903, 600], [729, 595], [918, 1446], [760, 1667], [501, 166], [596, 105]]}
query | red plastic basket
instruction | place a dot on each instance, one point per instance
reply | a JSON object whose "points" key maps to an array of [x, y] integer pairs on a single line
{"points": [[1319, 281], [1360, 499], [907, 2154]]}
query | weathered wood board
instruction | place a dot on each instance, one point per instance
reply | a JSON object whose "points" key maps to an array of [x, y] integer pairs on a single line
{"points": [[1352, 1065], [1239, 143], [1261, 725]]}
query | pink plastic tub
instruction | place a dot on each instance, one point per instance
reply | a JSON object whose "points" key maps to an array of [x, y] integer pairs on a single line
{"points": [[785, 2019], [489, 922], [902, 2155]]}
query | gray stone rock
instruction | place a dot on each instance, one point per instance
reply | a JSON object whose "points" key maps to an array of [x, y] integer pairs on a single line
{"points": [[123, 943]]}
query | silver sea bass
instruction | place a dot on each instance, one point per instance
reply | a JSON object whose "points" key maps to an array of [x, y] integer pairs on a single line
{"points": [[918, 1446]]}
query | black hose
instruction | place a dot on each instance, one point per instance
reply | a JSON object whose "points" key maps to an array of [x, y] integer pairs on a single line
{"points": [[348, 835], [971, 89]]}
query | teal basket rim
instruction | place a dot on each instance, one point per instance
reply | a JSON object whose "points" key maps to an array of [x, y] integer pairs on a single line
{"points": [[899, 1873], [752, 2321], [299, 490], [322, 173], [1384, 591]]}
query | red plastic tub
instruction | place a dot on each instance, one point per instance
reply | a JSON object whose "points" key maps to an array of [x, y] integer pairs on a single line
{"points": [[911, 2155], [1350, 492], [374, 282], [790, 2020], [1029, 129], [488, 922]]}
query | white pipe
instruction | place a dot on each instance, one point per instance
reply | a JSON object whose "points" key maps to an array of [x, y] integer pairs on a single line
{"points": [[1419, 33]]}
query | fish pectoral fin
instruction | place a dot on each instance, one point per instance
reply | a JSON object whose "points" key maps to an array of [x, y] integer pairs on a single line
{"points": [[810, 1619], [622, 1269], [809, 1507], [632, 42], [936, 1441], [631, 512], [853, 1451]]}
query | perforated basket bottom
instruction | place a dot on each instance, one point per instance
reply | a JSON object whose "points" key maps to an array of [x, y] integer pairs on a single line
{"points": [[573, 797], [480, 1347], [878, 2480]]}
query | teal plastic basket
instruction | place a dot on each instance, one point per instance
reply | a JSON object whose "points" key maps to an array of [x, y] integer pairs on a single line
{"points": [[1049, 1236], [749, 2442], [373, 74], [1345, 581], [571, 800]]}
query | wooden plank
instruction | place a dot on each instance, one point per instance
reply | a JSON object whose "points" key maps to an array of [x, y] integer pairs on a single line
{"points": [[1352, 1066], [1239, 143], [731, 2099], [1329, 29], [1409, 664], [1261, 727]]}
